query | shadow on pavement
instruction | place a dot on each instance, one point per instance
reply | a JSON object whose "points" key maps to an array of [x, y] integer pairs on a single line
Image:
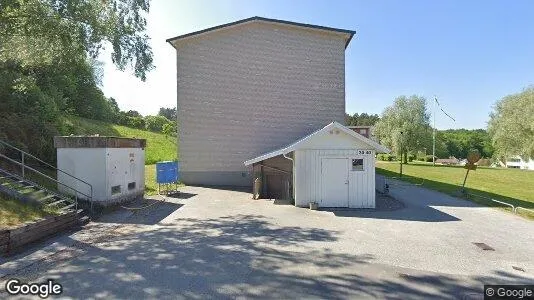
{"points": [[245, 189], [180, 195], [387, 207], [422, 214], [282, 202], [239, 255], [146, 212]]}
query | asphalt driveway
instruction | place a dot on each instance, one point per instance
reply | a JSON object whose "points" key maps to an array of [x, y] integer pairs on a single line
{"points": [[215, 243]]}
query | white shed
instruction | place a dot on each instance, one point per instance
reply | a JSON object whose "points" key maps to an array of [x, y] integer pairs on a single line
{"points": [[334, 167], [113, 166]]}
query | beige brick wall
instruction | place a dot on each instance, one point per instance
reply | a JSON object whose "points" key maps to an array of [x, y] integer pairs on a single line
{"points": [[253, 88]]}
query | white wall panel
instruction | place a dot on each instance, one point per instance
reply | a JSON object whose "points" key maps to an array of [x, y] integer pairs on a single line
{"points": [[308, 176]]}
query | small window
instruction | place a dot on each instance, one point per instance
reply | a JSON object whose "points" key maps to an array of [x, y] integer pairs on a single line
{"points": [[357, 164], [131, 185], [115, 189], [363, 131]]}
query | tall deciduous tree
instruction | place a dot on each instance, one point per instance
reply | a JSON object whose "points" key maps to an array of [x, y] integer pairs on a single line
{"points": [[362, 119], [511, 125], [460, 141], [47, 63], [169, 113], [404, 126], [34, 33]]}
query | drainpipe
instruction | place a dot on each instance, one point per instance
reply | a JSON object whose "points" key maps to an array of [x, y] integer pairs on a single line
{"points": [[292, 168]]}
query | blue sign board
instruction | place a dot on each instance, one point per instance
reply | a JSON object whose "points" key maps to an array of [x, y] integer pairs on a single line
{"points": [[167, 172]]}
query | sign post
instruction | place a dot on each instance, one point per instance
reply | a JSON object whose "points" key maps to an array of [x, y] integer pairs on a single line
{"points": [[472, 157]]}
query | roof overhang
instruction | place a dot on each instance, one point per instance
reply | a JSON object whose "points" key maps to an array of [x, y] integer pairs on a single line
{"points": [[296, 145], [348, 33]]}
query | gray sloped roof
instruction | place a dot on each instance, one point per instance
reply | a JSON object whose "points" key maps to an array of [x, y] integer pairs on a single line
{"points": [[349, 32], [374, 145]]}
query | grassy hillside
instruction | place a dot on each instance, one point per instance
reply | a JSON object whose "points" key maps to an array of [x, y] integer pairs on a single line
{"points": [[159, 146], [13, 212], [510, 185]]}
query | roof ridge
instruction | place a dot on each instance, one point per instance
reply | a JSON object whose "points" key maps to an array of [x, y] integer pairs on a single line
{"points": [[292, 146], [257, 18]]}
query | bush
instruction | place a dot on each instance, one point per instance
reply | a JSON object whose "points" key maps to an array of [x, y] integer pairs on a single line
{"points": [[170, 129], [122, 119], [385, 157], [156, 123], [135, 122], [30, 134], [411, 157]]}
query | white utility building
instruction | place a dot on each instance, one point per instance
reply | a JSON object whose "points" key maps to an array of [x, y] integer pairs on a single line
{"points": [[333, 167], [114, 167]]}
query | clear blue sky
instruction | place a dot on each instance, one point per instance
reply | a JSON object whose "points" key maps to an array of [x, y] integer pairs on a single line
{"points": [[468, 53]]}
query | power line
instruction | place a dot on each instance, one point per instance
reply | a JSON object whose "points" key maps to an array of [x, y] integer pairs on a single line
{"points": [[434, 131], [447, 115], [443, 111]]}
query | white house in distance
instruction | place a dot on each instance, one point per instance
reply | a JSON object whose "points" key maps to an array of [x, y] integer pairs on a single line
{"points": [[517, 162], [255, 86]]}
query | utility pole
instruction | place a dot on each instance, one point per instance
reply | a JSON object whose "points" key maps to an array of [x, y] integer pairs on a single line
{"points": [[434, 132], [401, 155]]}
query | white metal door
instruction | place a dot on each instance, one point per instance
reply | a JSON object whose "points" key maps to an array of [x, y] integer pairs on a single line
{"points": [[335, 188]]}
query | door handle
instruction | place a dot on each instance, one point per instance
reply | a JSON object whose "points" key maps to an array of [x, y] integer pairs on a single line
{"points": [[346, 182]]}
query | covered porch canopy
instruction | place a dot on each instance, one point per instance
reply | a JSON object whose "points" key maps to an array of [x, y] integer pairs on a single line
{"points": [[298, 160]]}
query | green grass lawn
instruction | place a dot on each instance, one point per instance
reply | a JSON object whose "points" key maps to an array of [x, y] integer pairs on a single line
{"points": [[14, 212], [159, 147], [510, 185], [151, 187]]}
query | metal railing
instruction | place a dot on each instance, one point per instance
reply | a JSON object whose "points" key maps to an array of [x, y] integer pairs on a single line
{"points": [[514, 209], [527, 209], [24, 167]]}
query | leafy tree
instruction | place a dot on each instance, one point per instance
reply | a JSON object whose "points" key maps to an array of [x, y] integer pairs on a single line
{"points": [[46, 32], [404, 126], [361, 119], [170, 129], [114, 108], [47, 66], [133, 113], [460, 141], [425, 151], [169, 113], [155, 123], [136, 122], [511, 125]]}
